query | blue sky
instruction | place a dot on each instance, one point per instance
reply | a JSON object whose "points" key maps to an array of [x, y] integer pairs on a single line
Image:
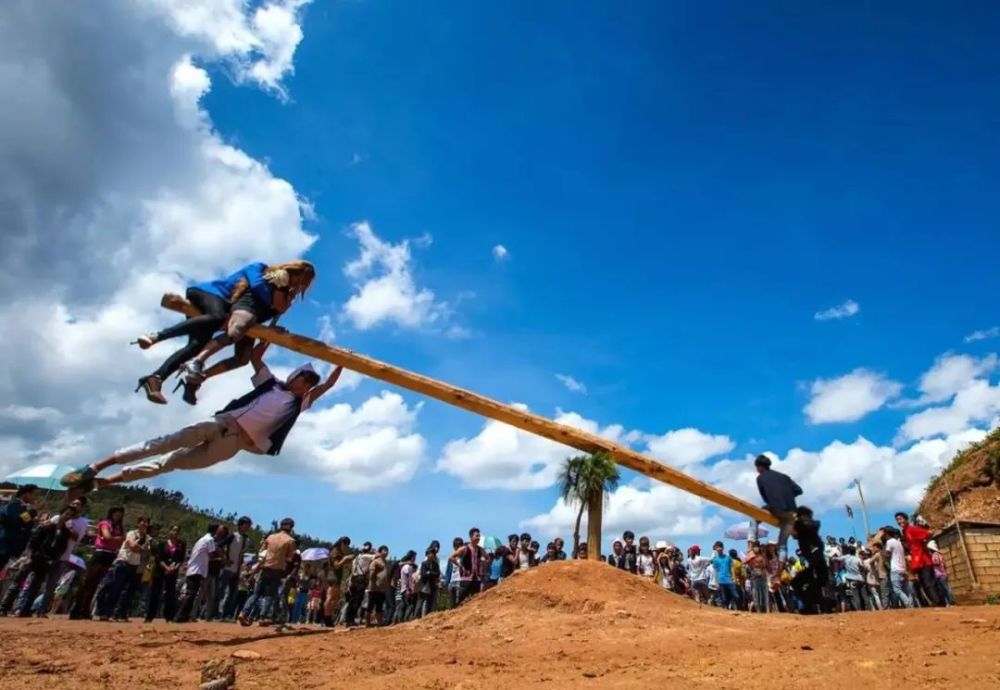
{"points": [[680, 189]]}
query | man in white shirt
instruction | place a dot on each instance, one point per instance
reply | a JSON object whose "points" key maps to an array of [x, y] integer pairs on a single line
{"points": [[897, 569], [258, 423], [197, 568]]}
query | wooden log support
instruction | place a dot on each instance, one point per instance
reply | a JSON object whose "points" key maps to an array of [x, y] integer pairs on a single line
{"points": [[478, 404]]}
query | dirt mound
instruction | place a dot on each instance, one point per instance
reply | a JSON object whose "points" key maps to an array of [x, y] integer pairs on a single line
{"points": [[974, 479], [585, 589]]}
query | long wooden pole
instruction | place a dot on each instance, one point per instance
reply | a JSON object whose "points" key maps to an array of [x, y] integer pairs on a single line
{"points": [[481, 405]]}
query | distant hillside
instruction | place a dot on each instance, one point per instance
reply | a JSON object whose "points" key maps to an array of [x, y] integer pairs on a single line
{"points": [[166, 508], [974, 479]]}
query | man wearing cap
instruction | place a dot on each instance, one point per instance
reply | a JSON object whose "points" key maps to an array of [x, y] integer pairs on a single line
{"points": [[17, 518], [258, 423], [779, 493]]}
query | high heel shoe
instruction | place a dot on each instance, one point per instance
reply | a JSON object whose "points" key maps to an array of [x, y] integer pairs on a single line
{"points": [[145, 341], [151, 384], [191, 386]]}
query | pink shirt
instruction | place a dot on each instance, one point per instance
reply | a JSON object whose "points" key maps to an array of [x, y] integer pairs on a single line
{"points": [[117, 536]]}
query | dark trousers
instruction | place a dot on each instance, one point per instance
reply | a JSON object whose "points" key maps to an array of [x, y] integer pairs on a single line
{"points": [[355, 597], [162, 591], [114, 584], [199, 329], [14, 587], [467, 589], [225, 596], [192, 585], [928, 583], [264, 592], [98, 567], [40, 570], [125, 599]]}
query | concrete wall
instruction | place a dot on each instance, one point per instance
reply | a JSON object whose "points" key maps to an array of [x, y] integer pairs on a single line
{"points": [[983, 543]]}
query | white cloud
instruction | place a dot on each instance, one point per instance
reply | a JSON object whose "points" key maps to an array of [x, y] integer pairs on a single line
{"points": [[502, 457], [500, 252], [385, 288], [369, 447], [849, 397], [661, 512], [572, 384], [963, 383], [952, 374], [258, 45], [689, 446], [985, 334], [841, 311]]}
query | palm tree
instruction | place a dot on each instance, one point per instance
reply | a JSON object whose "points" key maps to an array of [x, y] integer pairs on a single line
{"points": [[586, 480]]}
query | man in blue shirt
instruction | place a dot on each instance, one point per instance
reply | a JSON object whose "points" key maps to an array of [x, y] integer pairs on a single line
{"points": [[17, 519], [779, 493], [723, 565]]}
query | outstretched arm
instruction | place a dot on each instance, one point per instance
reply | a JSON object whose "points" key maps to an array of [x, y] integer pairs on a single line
{"points": [[317, 391], [257, 355]]}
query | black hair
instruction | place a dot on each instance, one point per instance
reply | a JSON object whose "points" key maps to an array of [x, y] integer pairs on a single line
{"points": [[628, 534], [718, 545], [287, 521], [114, 509], [849, 550], [311, 377], [457, 541], [803, 512], [142, 518], [534, 545], [511, 537], [733, 554], [473, 531], [430, 549], [245, 520], [762, 461], [385, 548], [550, 545], [213, 527], [903, 515], [26, 489], [525, 536]]}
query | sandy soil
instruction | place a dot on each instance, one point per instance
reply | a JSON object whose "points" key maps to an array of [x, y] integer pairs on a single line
{"points": [[563, 625]]}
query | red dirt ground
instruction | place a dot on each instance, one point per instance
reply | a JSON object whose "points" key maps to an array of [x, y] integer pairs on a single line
{"points": [[564, 625]]}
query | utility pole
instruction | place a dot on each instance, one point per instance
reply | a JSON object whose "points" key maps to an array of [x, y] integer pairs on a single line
{"points": [[864, 509]]}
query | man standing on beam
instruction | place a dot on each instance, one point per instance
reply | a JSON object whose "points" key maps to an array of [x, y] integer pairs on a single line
{"points": [[779, 493], [258, 423]]}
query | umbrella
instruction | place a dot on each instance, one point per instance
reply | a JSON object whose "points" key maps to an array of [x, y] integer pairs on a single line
{"points": [[77, 561], [741, 529], [44, 476], [316, 554], [491, 543]]}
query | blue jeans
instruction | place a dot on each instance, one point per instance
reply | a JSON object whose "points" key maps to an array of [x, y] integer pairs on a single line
{"points": [[299, 610], [900, 589], [226, 592], [729, 595], [115, 580]]}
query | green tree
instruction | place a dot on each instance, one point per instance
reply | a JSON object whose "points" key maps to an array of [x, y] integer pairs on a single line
{"points": [[586, 480]]}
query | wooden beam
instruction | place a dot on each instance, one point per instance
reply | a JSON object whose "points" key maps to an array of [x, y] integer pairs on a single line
{"points": [[478, 404]]}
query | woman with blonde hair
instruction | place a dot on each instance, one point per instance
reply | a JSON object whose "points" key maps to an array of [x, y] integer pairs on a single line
{"points": [[254, 301], [255, 293]]}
